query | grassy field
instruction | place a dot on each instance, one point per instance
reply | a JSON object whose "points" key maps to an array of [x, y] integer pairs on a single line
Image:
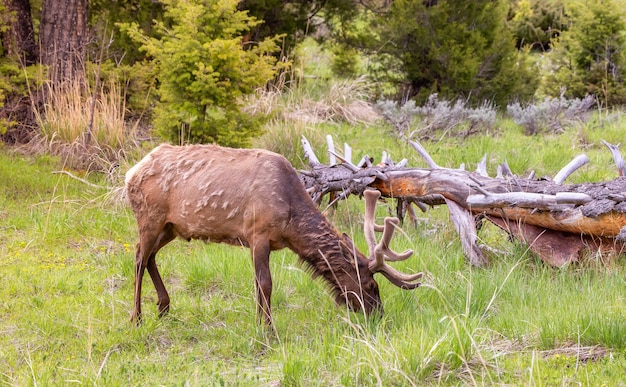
{"points": [[66, 284]]}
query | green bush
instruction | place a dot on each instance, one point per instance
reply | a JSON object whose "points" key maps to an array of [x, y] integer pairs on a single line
{"points": [[203, 69], [16, 84], [452, 49], [137, 81], [534, 23], [590, 58]]}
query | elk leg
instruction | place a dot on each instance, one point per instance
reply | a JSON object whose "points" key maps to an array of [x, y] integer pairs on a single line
{"points": [[263, 280], [149, 244], [139, 270], [163, 302]]}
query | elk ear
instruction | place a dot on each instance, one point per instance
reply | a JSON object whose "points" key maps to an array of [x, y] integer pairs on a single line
{"points": [[347, 241], [348, 247]]}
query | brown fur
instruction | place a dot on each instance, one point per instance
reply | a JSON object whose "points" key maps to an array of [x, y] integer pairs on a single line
{"points": [[244, 197]]}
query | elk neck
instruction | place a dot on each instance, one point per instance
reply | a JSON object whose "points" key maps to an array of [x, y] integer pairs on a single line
{"points": [[318, 244]]}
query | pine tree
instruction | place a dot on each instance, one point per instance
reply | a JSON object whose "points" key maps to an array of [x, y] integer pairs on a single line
{"points": [[204, 66], [452, 48], [590, 58], [535, 23]]}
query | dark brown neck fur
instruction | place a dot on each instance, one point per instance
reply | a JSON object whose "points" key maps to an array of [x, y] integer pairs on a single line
{"points": [[319, 245]]}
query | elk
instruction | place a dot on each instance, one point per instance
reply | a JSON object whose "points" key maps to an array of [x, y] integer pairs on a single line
{"points": [[252, 198]]}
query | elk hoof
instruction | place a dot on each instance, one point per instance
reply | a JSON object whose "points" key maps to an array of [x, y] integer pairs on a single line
{"points": [[135, 318], [163, 309]]}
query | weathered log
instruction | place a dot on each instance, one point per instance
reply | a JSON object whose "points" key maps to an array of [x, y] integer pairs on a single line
{"points": [[559, 221], [557, 248], [465, 225], [526, 199]]}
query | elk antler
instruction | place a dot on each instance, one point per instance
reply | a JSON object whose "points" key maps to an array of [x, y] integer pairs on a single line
{"points": [[380, 252]]}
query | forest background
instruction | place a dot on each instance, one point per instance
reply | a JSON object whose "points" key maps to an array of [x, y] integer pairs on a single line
{"points": [[88, 87], [183, 69]]}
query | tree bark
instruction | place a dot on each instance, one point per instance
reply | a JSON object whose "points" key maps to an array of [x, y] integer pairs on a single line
{"points": [[21, 48], [19, 40], [63, 38]]}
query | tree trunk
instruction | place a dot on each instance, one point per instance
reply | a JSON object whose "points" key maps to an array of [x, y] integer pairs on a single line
{"points": [[63, 38], [19, 40], [21, 48]]}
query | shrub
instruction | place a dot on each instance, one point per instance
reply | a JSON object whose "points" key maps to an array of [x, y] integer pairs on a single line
{"points": [[535, 23], [590, 57], [552, 114], [450, 48], [16, 119], [204, 68], [438, 117]]}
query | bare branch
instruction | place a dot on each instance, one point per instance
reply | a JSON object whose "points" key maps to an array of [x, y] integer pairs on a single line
{"points": [[92, 185], [572, 198], [345, 163], [365, 162], [617, 157], [422, 152], [465, 226], [481, 167], [506, 170], [526, 200], [347, 153], [570, 168], [402, 163], [480, 189], [309, 153], [331, 149]]}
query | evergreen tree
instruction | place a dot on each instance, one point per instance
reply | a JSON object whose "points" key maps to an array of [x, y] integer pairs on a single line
{"points": [[590, 58], [453, 48], [203, 67], [294, 18], [104, 14], [535, 23]]}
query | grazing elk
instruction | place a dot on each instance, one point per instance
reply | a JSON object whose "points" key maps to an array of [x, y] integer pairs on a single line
{"points": [[252, 198]]}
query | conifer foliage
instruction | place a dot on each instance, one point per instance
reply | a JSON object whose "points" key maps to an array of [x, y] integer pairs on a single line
{"points": [[205, 65], [453, 48], [590, 57]]}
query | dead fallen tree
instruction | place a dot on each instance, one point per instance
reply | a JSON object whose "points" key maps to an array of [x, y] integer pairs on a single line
{"points": [[560, 222]]}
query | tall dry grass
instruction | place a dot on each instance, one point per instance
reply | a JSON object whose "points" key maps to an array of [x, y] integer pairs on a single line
{"points": [[297, 108], [296, 98], [88, 128]]}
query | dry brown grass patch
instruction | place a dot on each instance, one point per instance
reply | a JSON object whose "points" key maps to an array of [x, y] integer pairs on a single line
{"points": [[346, 101]]}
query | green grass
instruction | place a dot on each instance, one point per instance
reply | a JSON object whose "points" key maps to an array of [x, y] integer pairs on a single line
{"points": [[66, 284]]}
